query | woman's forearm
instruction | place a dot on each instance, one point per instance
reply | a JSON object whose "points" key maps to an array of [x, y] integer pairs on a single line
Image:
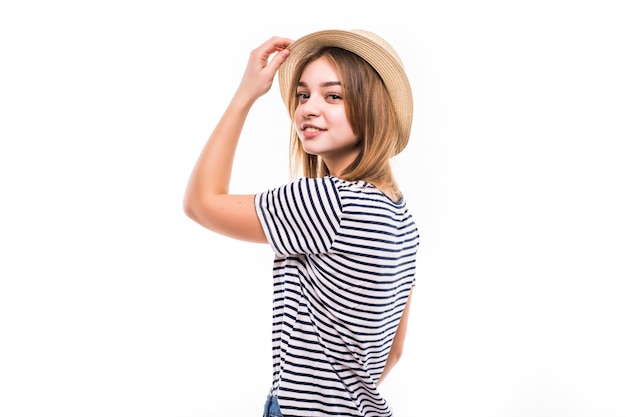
{"points": [[212, 172]]}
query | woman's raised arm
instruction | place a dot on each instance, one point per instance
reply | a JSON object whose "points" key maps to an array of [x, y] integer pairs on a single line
{"points": [[207, 199]]}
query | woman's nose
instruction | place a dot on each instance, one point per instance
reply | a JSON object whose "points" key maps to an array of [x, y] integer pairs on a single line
{"points": [[310, 107]]}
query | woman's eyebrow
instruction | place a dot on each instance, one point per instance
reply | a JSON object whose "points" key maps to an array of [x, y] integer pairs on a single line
{"points": [[324, 84]]}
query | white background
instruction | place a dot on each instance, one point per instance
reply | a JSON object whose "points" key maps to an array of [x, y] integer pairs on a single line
{"points": [[113, 303]]}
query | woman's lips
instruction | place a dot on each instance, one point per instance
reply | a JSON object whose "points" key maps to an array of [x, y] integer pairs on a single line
{"points": [[309, 131]]}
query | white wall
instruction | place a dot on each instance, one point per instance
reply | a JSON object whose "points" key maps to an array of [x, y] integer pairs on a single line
{"points": [[113, 303]]}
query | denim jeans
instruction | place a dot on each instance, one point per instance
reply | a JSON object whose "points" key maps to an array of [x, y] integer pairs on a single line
{"points": [[271, 408]]}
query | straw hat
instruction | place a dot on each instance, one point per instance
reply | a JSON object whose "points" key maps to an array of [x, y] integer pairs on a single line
{"points": [[373, 49]]}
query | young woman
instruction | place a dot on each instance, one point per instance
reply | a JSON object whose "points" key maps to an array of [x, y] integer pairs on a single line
{"points": [[344, 239]]}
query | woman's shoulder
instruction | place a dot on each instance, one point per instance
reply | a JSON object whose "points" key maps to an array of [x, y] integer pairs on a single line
{"points": [[367, 189], [350, 189]]}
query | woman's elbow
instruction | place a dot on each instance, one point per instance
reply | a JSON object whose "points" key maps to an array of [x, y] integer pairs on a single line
{"points": [[395, 355], [187, 209], [191, 207], [202, 211]]}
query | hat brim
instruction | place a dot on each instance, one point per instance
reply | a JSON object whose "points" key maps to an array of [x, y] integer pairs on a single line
{"points": [[373, 49]]}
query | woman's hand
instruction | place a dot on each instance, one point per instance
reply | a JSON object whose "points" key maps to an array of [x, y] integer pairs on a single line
{"points": [[260, 71]]}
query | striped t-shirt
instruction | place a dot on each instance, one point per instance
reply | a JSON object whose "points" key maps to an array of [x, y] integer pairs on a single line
{"points": [[344, 266]]}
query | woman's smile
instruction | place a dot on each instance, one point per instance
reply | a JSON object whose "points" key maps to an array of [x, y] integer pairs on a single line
{"points": [[310, 131]]}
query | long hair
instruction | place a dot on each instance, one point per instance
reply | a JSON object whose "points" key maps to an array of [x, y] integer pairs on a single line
{"points": [[369, 111]]}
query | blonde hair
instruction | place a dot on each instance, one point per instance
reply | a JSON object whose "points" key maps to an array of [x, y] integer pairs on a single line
{"points": [[369, 111]]}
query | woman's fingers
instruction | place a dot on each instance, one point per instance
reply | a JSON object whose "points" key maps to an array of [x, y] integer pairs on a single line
{"points": [[278, 59], [261, 70], [273, 45], [282, 52]]}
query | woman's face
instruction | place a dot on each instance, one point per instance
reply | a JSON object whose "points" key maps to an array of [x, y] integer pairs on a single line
{"points": [[320, 117]]}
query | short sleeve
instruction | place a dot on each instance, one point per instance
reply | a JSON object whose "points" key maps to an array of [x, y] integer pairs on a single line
{"points": [[301, 217]]}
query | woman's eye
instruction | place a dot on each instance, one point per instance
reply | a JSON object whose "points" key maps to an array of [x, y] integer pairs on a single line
{"points": [[302, 96], [334, 96]]}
